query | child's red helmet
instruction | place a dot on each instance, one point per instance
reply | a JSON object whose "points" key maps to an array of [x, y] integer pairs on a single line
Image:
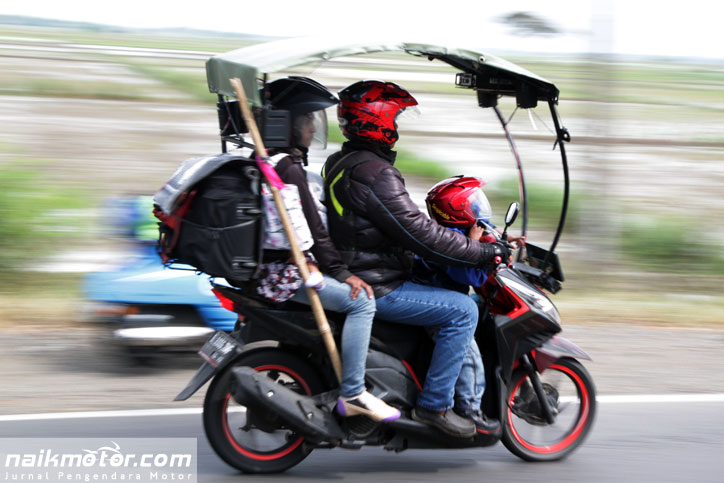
{"points": [[368, 110], [458, 202]]}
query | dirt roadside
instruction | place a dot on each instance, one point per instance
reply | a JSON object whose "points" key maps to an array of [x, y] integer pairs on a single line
{"points": [[67, 370]]}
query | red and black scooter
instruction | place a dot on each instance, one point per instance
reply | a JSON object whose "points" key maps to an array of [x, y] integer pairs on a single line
{"points": [[273, 389], [272, 398]]}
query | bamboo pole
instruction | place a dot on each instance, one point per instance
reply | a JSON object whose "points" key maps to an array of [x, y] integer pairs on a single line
{"points": [[297, 254]]}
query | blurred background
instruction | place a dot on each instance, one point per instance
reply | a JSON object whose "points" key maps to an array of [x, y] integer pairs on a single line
{"points": [[98, 106]]}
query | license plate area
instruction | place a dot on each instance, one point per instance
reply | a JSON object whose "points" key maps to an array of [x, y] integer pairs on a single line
{"points": [[219, 349]]}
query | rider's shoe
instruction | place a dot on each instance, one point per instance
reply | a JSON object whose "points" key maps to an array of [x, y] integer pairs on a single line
{"points": [[367, 405], [446, 421], [483, 424]]}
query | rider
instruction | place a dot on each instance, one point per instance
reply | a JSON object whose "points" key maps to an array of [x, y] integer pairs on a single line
{"points": [[460, 204], [306, 101], [375, 224]]}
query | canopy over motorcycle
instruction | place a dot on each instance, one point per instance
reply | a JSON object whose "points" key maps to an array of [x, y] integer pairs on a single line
{"points": [[485, 72], [488, 75]]}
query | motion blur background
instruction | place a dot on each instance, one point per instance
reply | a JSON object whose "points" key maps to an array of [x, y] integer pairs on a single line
{"points": [[99, 102]]}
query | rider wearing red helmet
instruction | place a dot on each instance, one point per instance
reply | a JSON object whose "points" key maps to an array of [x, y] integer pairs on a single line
{"points": [[369, 110], [377, 227], [460, 205], [306, 100], [458, 202]]}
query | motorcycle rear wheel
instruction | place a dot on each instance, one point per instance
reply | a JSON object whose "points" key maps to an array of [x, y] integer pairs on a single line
{"points": [[257, 443], [570, 393]]}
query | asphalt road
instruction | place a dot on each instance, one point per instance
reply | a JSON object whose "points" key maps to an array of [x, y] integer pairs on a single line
{"points": [[631, 442]]}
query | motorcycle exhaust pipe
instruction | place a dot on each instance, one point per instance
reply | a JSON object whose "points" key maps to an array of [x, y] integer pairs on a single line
{"points": [[296, 411]]}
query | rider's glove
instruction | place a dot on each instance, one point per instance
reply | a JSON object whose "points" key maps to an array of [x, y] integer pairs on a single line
{"points": [[494, 253]]}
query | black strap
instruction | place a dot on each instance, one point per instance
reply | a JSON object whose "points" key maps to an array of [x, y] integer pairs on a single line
{"points": [[342, 164]]}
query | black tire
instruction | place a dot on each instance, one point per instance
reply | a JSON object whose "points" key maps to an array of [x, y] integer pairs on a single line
{"points": [[243, 447], [570, 391]]}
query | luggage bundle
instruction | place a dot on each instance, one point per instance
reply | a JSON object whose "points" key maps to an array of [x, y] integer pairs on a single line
{"points": [[211, 214]]}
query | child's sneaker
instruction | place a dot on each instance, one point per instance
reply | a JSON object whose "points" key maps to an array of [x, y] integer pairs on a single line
{"points": [[367, 405]]}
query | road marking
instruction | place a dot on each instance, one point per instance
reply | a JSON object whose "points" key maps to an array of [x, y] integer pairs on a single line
{"points": [[132, 413], [136, 413], [660, 398]]}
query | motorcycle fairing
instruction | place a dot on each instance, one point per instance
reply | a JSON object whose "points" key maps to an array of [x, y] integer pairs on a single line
{"points": [[555, 348], [389, 379], [523, 328]]}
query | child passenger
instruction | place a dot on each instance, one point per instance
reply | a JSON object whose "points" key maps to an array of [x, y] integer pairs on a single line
{"points": [[459, 204]]}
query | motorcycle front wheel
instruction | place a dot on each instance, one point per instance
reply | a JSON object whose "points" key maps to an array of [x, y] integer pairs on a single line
{"points": [[570, 394], [252, 441]]}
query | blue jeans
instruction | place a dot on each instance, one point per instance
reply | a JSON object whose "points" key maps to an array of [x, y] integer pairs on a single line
{"points": [[454, 314], [470, 386], [355, 334]]}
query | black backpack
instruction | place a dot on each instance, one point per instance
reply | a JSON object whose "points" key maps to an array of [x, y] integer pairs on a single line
{"points": [[216, 224]]}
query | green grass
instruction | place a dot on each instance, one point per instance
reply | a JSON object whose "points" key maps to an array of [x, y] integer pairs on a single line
{"points": [[35, 216], [670, 244], [544, 203], [424, 169]]}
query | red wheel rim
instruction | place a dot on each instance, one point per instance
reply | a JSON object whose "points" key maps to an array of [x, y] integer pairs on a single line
{"points": [[577, 430]]}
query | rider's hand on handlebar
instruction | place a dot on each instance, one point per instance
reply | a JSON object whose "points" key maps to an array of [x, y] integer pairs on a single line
{"points": [[502, 250], [357, 285], [496, 252]]}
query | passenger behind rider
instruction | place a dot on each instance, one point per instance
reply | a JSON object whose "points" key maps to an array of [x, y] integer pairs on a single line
{"points": [[459, 204], [306, 101], [376, 226]]}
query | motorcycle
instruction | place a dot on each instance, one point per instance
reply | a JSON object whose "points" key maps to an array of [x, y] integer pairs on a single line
{"points": [[273, 388]]}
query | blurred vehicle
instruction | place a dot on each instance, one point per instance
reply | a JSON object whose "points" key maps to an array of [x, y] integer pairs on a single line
{"points": [[146, 307]]}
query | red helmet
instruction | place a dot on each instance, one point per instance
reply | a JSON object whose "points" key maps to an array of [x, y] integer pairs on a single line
{"points": [[458, 202], [368, 109]]}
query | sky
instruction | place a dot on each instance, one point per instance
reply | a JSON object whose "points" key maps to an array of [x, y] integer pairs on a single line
{"points": [[639, 27]]}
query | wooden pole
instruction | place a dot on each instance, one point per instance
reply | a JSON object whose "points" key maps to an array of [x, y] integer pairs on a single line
{"points": [[297, 254]]}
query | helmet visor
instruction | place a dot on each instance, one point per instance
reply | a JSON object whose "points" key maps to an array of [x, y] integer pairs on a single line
{"points": [[409, 113], [310, 129], [320, 129], [480, 206]]}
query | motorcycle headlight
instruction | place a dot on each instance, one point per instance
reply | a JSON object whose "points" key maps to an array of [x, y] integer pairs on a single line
{"points": [[536, 299]]}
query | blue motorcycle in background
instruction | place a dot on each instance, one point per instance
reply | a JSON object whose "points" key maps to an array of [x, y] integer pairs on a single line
{"points": [[146, 308]]}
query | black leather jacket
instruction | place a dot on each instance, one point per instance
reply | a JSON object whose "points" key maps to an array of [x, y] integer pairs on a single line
{"points": [[376, 225]]}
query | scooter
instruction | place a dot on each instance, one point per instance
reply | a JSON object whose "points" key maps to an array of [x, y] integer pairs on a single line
{"points": [[273, 388], [272, 398]]}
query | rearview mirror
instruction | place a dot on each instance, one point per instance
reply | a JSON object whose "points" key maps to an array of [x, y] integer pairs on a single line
{"points": [[512, 213]]}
